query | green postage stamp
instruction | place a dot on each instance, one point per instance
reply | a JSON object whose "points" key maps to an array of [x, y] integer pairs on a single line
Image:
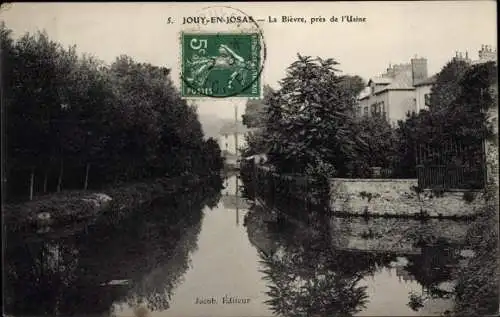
{"points": [[221, 65]]}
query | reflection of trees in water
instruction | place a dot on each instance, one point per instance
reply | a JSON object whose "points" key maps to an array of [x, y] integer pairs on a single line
{"points": [[155, 289], [300, 289], [38, 275], [434, 265], [308, 277], [321, 247], [70, 275]]}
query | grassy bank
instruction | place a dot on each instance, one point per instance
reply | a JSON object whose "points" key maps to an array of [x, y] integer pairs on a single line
{"points": [[477, 291], [71, 207]]}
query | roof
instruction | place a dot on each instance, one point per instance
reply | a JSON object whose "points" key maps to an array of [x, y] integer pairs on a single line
{"points": [[427, 81], [402, 81], [232, 127], [380, 80], [482, 61], [364, 93]]}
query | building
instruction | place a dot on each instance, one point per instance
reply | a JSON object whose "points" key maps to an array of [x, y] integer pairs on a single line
{"points": [[406, 87], [487, 54], [423, 93], [232, 138], [393, 94]]}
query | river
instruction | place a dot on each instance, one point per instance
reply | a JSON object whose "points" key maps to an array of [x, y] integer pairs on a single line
{"points": [[212, 253]]}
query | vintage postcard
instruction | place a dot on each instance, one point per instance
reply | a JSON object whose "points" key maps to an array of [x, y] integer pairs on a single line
{"points": [[291, 159]]}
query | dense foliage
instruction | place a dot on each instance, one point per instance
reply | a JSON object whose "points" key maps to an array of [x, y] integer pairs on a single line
{"points": [[308, 125], [477, 288], [74, 122], [454, 127], [255, 110], [308, 121], [380, 144]]}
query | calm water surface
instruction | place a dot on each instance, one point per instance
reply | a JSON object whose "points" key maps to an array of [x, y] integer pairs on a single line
{"points": [[211, 244]]}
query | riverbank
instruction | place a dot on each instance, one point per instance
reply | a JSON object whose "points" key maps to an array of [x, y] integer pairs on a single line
{"points": [[70, 208], [478, 278], [357, 197]]}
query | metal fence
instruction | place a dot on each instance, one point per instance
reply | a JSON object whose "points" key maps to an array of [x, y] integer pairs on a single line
{"points": [[451, 165], [450, 177]]}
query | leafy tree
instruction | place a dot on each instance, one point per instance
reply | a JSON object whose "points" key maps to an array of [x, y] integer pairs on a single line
{"points": [[309, 119], [455, 126], [74, 122], [447, 86], [407, 140], [214, 160], [353, 84], [378, 148], [255, 143], [255, 110], [468, 115]]}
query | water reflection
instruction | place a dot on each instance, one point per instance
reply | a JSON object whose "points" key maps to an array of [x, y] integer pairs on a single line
{"points": [[210, 243], [354, 266], [139, 260]]}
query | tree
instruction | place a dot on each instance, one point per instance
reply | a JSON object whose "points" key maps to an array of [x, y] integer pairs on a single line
{"points": [[34, 102], [407, 135], [255, 110], [447, 86], [309, 119], [378, 146], [213, 159], [74, 122], [255, 143], [354, 85], [455, 126], [468, 115]]}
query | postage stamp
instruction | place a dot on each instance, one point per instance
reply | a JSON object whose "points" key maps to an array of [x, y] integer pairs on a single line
{"points": [[220, 64]]}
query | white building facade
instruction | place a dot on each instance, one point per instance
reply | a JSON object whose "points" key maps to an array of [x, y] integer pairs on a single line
{"points": [[232, 138], [406, 88]]}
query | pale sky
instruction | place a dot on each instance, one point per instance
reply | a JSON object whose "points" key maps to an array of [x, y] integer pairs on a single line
{"points": [[394, 33]]}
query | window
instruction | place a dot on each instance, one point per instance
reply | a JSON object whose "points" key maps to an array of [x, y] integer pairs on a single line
{"points": [[365, 111], [225, 135], [427, 99], [377, 108], [226, 146]]}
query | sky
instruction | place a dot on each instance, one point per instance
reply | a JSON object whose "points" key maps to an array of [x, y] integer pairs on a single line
{"points": [[394, 32]]}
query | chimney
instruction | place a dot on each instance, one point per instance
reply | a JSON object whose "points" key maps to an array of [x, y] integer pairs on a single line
{"points": [[418, 69], [487, 53], [389, 72]]}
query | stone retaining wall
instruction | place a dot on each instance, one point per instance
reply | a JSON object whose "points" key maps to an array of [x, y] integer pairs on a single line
{"points": [[398, 197]]}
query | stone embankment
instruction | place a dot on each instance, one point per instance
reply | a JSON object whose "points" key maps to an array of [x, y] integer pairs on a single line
{"points": [[400, 197]]}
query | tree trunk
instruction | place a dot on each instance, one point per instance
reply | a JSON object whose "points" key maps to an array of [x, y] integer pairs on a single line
{"points": [[45, 180], [32, 182], [86, 182], [60, 179]]}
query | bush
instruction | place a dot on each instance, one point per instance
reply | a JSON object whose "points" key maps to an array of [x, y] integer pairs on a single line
{"points": [[477, 291]]}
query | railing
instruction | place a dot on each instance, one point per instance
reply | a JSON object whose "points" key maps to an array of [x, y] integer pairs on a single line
{"points": [[450, 177], [451, 164]]}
